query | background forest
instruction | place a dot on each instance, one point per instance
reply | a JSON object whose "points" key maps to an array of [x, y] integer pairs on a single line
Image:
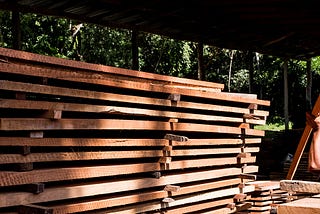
{"points": [[96, 44]]}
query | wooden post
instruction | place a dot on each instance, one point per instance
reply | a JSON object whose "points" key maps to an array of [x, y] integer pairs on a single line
{"points": [[309, 86], [16, 30], [201, 75], [134, 50], [251, 70], [302, 143], [285, 94]]}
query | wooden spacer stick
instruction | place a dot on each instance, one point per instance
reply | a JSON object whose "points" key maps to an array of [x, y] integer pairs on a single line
{"points": [[176, 138], [171, 188]]}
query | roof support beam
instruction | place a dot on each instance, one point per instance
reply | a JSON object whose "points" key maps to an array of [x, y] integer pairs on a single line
{"points": [[16, 30], [309, 86], [201, 74], [134, 50], [285, 94]]}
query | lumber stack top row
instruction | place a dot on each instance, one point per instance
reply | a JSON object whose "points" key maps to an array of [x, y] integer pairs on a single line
{"points": [[79, 137]]}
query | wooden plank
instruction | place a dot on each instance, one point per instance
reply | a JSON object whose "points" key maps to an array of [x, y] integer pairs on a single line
{"points": [[184, 152], [58, 174], [207, 196], [302, 143], [265, 185], [61, 91], [199, 206], [9, 178], [107, 201], [208, 162], [75, 156], [186, 189], [95, 189], [81, 142], [34, 209], [54, 61], [133, 209], [73, 107], [114, 124], [220, 211], [128, 84], [300, 186], [304, 205]]}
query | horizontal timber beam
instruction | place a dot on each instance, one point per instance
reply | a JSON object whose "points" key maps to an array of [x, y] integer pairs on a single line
{"points": [[81, 142], [32, 124]]}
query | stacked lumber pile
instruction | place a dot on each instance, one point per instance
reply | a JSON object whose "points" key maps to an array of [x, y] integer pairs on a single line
{"points": [[310, 203], [78, 137], [268, 196]]}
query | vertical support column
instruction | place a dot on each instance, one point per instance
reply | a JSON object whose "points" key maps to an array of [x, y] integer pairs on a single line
{"points": [[201, 75], [251, 70], [285, 94], [309, 86], [134, 50], [16, 30]]}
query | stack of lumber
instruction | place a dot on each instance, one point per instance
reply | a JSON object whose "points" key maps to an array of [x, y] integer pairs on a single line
{"points": [[266, 197], [269, 195], [306, 205], [79, 137]]}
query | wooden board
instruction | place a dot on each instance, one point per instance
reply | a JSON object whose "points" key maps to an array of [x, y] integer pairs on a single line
{"points": [[54, 61], [82, 142], [300, 186], [73, 107], [302, 143], [59, 174], [58, 74], [107, 201], [115, 124], [62, 91], [84, 190], [199, 206], [305, 205], [76, 156]]}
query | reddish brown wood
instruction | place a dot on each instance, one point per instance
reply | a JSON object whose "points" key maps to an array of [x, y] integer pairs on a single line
{"points": [[54, 61], [110, 124]]}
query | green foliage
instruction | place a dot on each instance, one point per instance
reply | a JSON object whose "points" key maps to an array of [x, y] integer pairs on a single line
{"points": [[5, 29], [45, 35]]}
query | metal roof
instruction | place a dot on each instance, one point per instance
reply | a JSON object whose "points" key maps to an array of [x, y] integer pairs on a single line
{"points": [[285, 28]]}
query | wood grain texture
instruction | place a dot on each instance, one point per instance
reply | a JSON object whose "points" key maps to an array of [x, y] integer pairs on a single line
{"points": [[82, 190], [73, 107], [62, 91], [103, 202], [198, 207], [9, 178], [305, 206], [129, 84], [54, 61], [300, 186], [115, 124], [82, 142]]}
